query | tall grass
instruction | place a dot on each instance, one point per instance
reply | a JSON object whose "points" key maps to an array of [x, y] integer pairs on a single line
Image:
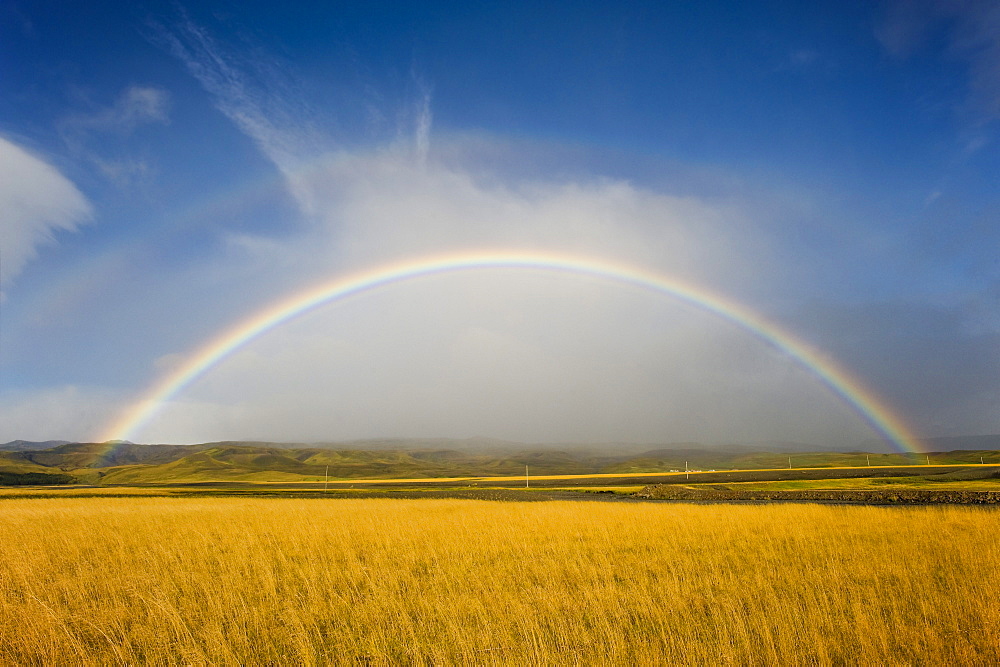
{"points": [[275, 581]]}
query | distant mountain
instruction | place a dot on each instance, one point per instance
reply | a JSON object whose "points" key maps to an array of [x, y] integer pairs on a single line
{"points": [[468, 445], [28, 445]]}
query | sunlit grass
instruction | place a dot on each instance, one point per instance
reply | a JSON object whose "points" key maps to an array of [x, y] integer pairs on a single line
{"points": [[73, 490], [286, 581]]}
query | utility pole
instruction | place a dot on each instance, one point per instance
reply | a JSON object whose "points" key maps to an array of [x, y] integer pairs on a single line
{"points": [[789, 462], [687, 471], [526, 477], [326, 480], [928, 459], [868, 458]]}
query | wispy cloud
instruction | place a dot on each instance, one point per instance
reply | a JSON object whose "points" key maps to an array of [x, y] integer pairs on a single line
{"points": [[136, 106], [978, 38], [906, 25], [972, 31], [253, 95], [91, 133], [36, 202], [422, 130]]}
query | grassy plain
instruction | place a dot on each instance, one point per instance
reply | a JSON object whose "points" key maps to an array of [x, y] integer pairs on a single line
{"points": [[350, 581]]}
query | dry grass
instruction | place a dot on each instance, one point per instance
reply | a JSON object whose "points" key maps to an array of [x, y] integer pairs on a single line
{"points": [[276, 581], [69, 490]]}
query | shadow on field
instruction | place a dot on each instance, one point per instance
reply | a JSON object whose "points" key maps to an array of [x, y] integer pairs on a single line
{"points": [[698, 487]]}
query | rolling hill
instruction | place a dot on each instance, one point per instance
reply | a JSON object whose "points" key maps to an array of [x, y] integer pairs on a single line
{"points": [[131, 464]]}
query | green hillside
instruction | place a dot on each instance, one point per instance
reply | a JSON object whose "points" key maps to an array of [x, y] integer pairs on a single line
{"points": [[17, 471], [101, 455], [233, 462]]}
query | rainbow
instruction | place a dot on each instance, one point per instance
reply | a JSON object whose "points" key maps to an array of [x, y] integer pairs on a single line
{"points": [[862, 400]]}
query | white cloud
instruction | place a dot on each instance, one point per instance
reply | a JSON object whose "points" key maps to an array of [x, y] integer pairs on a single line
{"points": [[434, 209], [36, 201]]}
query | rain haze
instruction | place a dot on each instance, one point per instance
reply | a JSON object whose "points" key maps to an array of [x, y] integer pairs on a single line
{"points": [[168, 171]]}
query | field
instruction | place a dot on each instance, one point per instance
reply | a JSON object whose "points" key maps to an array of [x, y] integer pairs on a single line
{"points": [[376, 581]]}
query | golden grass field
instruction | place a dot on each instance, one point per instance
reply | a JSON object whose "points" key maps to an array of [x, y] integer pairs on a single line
{"points": [[351, 581]]}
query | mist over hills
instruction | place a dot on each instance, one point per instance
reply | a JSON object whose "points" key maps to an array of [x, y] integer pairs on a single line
{"points": [[125, 451], [962, 442]]}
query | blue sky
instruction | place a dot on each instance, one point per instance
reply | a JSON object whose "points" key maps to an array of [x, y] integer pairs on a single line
{"points": [[168, 169]]}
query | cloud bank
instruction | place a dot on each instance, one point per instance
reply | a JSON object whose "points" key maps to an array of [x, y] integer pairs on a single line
{"points": [[522, 356], [52, 413]]}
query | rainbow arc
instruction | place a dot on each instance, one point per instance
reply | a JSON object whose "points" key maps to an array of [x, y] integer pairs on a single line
{"points": [[848, 388]]}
